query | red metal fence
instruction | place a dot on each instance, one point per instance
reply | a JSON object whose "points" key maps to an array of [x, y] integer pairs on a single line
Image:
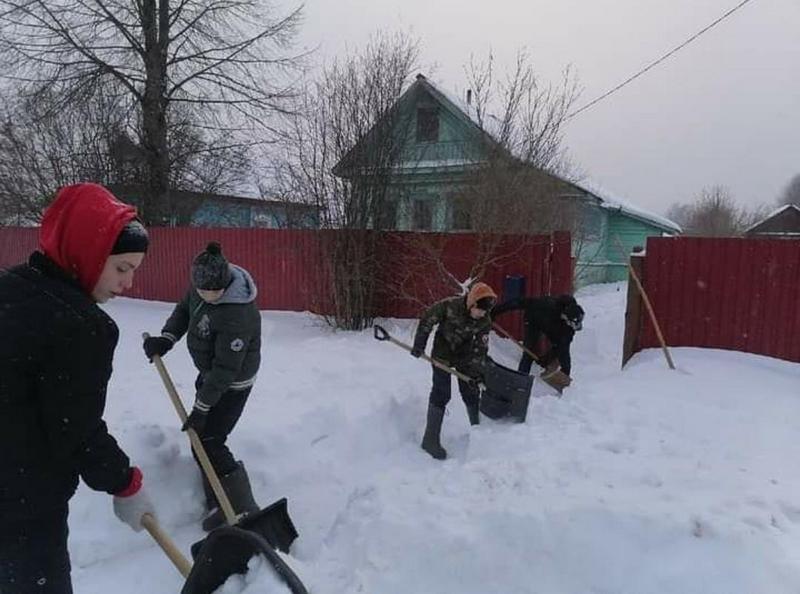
{"points": [[286, 264], [737, 294]]}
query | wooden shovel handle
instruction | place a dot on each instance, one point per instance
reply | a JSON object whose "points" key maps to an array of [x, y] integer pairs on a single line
{"points": [[502, 331], [197, 445], [166, 544], [382, 335]]}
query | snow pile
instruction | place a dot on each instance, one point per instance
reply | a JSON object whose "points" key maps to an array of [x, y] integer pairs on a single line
{"points": [[642, 481]]}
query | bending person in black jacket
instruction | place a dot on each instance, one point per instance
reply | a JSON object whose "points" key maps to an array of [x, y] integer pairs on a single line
{"points": [[55, 362], [558, 318], [223, 332]]}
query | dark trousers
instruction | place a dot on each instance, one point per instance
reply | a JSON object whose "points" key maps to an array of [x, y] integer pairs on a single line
{"points": [[530, 342], [33, 554], [440, 392], [222, 418]]}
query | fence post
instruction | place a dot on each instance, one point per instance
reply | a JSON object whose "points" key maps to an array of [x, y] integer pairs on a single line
{"points": [[633, 309]]}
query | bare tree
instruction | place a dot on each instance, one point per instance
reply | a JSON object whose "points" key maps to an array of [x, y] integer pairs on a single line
{"points": [[517, 186], [791, 194], [225, 58], [42, 148], [712, 214], [339, 156]]}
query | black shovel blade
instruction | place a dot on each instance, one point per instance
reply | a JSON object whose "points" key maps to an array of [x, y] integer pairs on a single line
{"points": [[224, 552], [507, 392], [217, 557], [273, 524]]}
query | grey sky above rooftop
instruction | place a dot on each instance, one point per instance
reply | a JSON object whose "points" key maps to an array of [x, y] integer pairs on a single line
{"points": [[724, 110]]}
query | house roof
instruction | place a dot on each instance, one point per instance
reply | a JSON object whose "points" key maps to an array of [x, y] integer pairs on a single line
{"points": [[775, 213], [130, 190], [616, 203]]}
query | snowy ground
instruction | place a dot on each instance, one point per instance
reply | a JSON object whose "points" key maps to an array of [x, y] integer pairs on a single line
{"points": [[638, 481]]}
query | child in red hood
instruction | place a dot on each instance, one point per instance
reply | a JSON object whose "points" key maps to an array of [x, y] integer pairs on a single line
{"points": [[56, 351]]}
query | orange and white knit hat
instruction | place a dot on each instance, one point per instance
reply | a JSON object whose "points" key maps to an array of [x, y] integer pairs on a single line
{"points": [[479, 291]]}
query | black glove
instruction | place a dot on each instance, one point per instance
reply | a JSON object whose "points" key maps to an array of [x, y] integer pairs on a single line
{"points": [[477, 380], [196, 420], [419, 347], [156, 345]]}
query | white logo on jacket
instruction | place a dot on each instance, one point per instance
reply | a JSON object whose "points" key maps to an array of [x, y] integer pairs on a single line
{"points": [[204, 327], [237, 345]]}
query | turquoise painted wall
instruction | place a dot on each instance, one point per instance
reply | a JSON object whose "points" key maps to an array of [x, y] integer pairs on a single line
{"points": [[603, 260], [629, 232], [224, 215], [216, 214], [429, 171], [589, 246]]}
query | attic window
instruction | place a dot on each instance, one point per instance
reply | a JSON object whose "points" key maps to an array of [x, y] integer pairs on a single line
{"points": [[427, 124]]}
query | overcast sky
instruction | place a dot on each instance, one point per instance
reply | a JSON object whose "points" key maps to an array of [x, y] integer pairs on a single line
{"points": [[724, 110]]}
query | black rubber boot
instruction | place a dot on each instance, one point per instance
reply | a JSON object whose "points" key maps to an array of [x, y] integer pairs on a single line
{"points": [[211, 500], [214, 517], [473, 414], [237, 488], [430, 441]]}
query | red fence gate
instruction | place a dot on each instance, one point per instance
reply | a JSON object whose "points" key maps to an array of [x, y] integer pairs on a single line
{"points": [[737, 294]]}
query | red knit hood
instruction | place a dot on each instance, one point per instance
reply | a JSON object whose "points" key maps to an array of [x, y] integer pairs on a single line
{"points": [[79, 230]]}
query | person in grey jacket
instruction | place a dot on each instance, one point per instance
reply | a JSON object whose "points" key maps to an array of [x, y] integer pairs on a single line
{"points": [[223, 333]]}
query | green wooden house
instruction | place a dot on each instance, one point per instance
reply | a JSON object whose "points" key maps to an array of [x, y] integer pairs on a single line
{"points": [[444, 145]]}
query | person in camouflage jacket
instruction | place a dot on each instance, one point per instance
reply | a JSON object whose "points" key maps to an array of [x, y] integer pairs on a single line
{"points": [[223, 333], [461, 341]]}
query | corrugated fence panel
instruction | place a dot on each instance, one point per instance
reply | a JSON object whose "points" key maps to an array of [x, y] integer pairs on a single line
{"points": [[417, 264], [731, 293], [291, 268], [16, 244]]}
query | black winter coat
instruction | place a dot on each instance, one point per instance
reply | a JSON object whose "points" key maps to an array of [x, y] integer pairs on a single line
{"points": [[542, 315], [224, 337], [56, 349]]}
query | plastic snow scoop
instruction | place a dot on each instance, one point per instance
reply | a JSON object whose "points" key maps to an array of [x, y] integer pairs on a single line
{"points": [[383, 335], [552, 375], [229, 547], [220, 551], [214, 563], [507, 392]]}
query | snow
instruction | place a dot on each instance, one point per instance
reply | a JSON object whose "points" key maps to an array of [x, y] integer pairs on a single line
{"points": [[637, 481]]}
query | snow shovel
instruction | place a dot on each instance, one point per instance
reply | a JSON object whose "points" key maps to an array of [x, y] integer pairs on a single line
{"points": [[217, 559], [207, 570], [552, 375], [507, 392], [382, 335]]}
